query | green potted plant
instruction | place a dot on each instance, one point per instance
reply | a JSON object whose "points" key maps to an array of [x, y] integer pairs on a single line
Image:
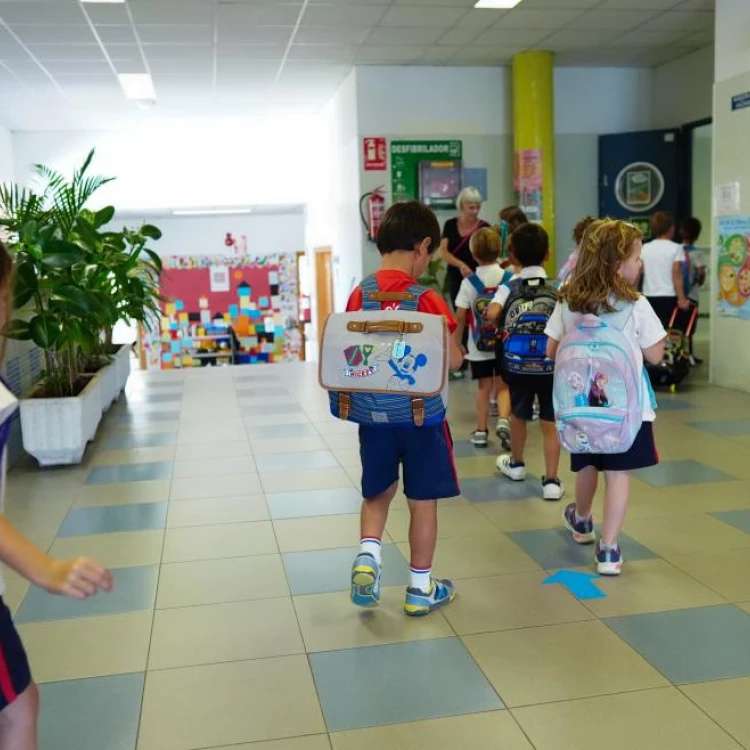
{"points": [[73, 281]]}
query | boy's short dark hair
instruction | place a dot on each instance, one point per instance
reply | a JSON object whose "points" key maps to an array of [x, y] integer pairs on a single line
{"points": [[690, 229], [405, 225], [530, 243], [661, 223]]}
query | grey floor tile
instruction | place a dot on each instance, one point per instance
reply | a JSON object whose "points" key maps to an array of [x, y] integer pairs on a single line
{"points": [[141, 440], [464, 449], [163, 398], [108, 519], [96, 714], [144, 472], [262, 389], [691, 645], [313, 503], [268, 432], [139, 417], [135, 590], [725, 427], [405, 682], [296, 461], [328, 570], [740, 519], [487, 489], [266, 409], [674, 404], [669, 473], [554, 548]]}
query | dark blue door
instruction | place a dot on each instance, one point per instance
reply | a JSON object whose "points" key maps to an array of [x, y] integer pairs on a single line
{"points": [[639, 174]]}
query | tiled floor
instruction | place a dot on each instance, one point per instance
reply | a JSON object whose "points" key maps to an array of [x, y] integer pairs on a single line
{"points": [[226, 501]]}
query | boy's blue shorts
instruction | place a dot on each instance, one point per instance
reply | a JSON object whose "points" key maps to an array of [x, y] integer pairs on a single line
{"points": [[426, 454]]}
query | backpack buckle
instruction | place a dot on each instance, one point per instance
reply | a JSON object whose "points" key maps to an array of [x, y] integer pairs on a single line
{"points": [[417, 411], [345, 405]]}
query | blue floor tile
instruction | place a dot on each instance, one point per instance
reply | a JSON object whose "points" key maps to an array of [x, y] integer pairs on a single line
{"points": [[464, 449], [725, 427], [145, 472], [101, 713], [404, 682], [296, 461], [125, 440], [328, 570], [691, 645], [554, 548], [487, 489], [271, 431], [313, 503], [249, 391], [674, 404], [271, 409], [135, 418], [163, 398], [740, 519], [108, 519], [669, 473], [135, 590]]}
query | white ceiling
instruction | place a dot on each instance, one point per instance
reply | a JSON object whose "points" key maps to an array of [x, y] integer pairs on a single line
{"points": [[59, 58]]}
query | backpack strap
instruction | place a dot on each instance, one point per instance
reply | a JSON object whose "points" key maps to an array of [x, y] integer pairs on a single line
{"points": [[411, 302], [370, 292], [372, 297], [476, 282]]}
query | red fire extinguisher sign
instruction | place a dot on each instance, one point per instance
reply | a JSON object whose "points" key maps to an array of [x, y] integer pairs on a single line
{"points": [[376, 154]]}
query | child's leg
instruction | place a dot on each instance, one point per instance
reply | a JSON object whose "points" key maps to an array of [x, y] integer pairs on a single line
{"points": [[484, 391], [422, 533], [18, 721], [374, 514], [615, 505], [517, 438], [551, 449], [503, 397], [587, 480]]}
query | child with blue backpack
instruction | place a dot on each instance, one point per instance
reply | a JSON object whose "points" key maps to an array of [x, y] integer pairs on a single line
{"points": [[600, 334], [474, 296], [522, 308], [408, 236]]}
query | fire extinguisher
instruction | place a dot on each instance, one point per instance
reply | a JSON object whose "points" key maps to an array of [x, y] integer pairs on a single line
{"points": [[373, 218]]}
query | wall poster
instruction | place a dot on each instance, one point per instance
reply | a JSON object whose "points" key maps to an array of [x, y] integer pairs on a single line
{"points": [[528, 175], [733, 267], [406, 157]]}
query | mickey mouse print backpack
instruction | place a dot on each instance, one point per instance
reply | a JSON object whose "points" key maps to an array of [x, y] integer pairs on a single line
{"points": [[386, 367]]}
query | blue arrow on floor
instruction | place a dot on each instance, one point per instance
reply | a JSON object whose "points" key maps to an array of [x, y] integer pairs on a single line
{"points": [[581, 585]]}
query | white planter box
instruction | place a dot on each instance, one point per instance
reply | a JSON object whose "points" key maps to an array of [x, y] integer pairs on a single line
{"points": [[56, 430], [110, 385], [122, 363]]}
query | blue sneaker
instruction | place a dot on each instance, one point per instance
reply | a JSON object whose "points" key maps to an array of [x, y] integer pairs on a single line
{"points": [[418, 603], [366, 581], [582, 531], [608, 561]]}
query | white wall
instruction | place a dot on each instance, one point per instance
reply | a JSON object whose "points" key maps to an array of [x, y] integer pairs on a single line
{"points": [[7, 165], [730, 337], [682, 90], [204, 235], [732, 35]]}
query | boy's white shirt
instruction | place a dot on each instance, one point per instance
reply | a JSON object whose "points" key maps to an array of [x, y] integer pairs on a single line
{"points": [[643, 328], [490, 276]]}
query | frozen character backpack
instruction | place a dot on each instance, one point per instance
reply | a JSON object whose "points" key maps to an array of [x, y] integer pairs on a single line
{"points": [[598, 387], [483, 332], [522, 346], [386, 367]]}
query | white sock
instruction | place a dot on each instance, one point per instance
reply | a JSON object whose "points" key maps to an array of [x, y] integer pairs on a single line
{"points": [[604, 545], [420, 579], [581, 519], [371, 546]]}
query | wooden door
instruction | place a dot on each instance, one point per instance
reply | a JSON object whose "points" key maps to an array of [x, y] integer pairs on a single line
{"points": [[323, 286]]}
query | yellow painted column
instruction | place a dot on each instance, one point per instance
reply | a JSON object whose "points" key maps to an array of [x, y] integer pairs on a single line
{"points": [[534, 140]]}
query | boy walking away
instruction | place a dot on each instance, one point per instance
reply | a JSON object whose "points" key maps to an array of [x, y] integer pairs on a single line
{"points": [[474, 296], [408, 235], [663, 259], [694, 271], [523, 307], [601, 333]]}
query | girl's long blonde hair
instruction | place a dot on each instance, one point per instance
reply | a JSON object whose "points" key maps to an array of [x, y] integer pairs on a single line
{"points": [[605, 244]]}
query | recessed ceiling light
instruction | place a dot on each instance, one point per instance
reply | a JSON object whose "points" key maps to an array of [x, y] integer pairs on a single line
{"points": [[504, 4], [138, 86]]}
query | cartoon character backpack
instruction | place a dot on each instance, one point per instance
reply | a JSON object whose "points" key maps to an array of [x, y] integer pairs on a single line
{"points": [[598, 388], [483, 332], [386, 367], [522, 346]]}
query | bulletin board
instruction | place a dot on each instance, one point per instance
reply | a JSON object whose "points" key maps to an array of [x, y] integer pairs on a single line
{"points": [[225, 310]]}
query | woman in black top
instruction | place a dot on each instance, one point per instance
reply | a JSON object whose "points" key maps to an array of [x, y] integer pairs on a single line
{"points": [[454, 248]]}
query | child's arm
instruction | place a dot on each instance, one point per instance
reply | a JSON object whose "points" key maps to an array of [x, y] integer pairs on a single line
{"points": [[654, 354], [456, 356], [682, 301], [552, 346], [460, 327], [79, 578]]}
